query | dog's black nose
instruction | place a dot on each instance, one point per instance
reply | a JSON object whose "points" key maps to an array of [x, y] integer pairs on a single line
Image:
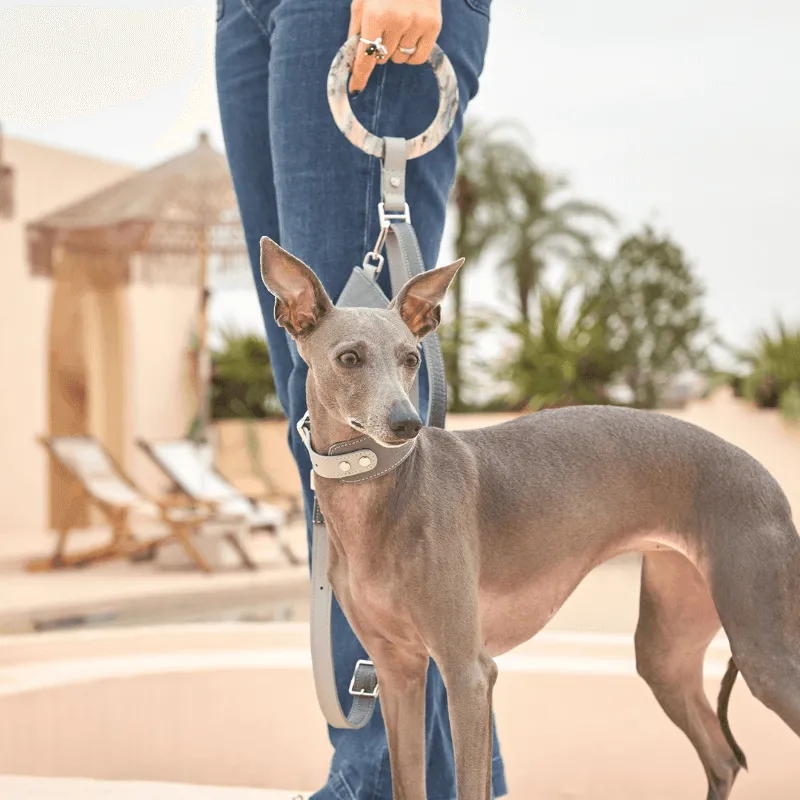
{"points": [[404, 421]]}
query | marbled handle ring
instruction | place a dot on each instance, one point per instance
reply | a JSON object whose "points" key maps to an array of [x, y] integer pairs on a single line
{"points": [[355, 132]]}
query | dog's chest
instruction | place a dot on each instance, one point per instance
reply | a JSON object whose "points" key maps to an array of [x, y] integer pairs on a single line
{"points": [[371, 599], [363, 568], [374, 612]]}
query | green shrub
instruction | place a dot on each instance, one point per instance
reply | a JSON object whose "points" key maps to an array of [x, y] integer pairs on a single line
{"points": [[242, 385], [773, 378], [790, 403]]}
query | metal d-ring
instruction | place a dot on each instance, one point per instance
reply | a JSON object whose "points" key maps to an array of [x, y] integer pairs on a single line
{"points": [[338, 78]]}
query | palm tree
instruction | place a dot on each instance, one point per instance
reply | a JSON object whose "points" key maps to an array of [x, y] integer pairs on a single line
{"points": [[547, 227], [489, 161], [504, 202]]}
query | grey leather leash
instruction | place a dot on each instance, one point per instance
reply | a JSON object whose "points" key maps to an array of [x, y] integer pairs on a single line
{"points": [[363, 458]]}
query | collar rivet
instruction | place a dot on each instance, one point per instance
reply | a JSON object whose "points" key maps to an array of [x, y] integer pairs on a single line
{"points": [[344, 466]]}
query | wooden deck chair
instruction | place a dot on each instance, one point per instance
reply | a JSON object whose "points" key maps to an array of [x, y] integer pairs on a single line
{"points": [[190, 467], [100, 479]]}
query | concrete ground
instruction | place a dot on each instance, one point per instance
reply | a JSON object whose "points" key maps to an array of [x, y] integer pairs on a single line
{"points": [[575, 721], [235, 707], [14, 787], [125, 593]]}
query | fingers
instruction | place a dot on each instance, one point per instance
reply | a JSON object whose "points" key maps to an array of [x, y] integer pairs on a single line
{"points": [[409, 41], [372, 29], [427, 40], [356, 11], [411, 24], [394, 27]]}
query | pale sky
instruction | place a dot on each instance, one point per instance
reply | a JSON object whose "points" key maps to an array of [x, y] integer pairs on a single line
{"points": [[684, 114]]}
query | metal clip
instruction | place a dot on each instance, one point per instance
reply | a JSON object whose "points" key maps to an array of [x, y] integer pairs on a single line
{"points": [[393, 216], [373, 260], [373, 263]]}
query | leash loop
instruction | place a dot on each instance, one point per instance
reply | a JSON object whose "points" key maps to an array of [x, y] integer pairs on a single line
{"points": [[357, 134], [364, 683]]}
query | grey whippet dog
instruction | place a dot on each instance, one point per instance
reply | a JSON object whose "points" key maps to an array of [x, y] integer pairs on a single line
{"points": [[471, 543]]}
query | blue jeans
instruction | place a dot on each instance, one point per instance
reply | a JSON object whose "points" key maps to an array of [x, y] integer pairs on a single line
{"points": [[299, 181]]}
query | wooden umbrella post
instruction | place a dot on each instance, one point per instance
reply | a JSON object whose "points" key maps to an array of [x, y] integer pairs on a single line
{"points": [[6, 185], [203, 356]]}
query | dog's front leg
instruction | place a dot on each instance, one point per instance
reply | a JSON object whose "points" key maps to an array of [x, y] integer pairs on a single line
{"points": [[469, 687], [401, 677]]}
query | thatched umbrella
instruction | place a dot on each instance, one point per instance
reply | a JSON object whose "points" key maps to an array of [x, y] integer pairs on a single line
{"points": [[162, 225]]}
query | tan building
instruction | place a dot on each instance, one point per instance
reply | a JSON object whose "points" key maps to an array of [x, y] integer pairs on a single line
{"points": [[129, 343]]}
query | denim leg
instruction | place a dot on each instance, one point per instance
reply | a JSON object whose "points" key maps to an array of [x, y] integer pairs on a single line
{"points": [[242, 66], [301, 182]]}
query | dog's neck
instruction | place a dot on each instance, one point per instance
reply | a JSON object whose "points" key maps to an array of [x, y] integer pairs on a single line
{"points": [[352, 511], [356, 514], [327, 428]]}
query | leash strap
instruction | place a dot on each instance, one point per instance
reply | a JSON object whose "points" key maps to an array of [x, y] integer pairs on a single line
{"points": [[364, 684], [362, 290], [405, 261]]}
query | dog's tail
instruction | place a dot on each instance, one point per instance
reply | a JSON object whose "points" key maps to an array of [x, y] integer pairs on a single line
{"points": [[725, 690]]}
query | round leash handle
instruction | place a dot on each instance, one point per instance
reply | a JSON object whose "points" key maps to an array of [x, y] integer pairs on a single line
{"points": [[357, 134]]}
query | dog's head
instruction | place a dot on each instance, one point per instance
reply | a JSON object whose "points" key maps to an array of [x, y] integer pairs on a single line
{"points": [[362, 361]]}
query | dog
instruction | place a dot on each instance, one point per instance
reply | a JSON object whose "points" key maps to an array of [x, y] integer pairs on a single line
{"points": [[474, 539]]}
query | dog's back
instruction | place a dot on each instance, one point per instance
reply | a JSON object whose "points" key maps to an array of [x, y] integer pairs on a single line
{"points": [[586, 470]]}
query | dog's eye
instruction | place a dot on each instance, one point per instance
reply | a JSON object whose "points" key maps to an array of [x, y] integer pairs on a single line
{"points": [[349, 358], [412, 360]]}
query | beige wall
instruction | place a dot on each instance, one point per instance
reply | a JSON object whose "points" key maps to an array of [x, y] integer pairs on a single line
{"points": [[234, 461], [45, 179], [161, 398]]}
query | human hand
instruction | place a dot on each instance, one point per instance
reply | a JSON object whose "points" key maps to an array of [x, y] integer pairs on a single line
{"points": [[399, 23]]}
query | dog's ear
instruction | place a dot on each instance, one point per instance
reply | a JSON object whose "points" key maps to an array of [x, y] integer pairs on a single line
{"points": [[300, 300], [419, 302]]}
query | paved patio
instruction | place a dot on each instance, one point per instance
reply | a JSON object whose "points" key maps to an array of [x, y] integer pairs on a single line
{"points": [[125, 593], [14, 787], [217, 705]]}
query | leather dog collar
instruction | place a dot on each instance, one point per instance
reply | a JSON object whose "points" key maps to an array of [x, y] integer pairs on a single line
{"points": [[354, 460]]}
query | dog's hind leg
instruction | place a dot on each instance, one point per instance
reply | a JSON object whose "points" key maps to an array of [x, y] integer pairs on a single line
{"points": [[757, 592], [677, 621]]}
